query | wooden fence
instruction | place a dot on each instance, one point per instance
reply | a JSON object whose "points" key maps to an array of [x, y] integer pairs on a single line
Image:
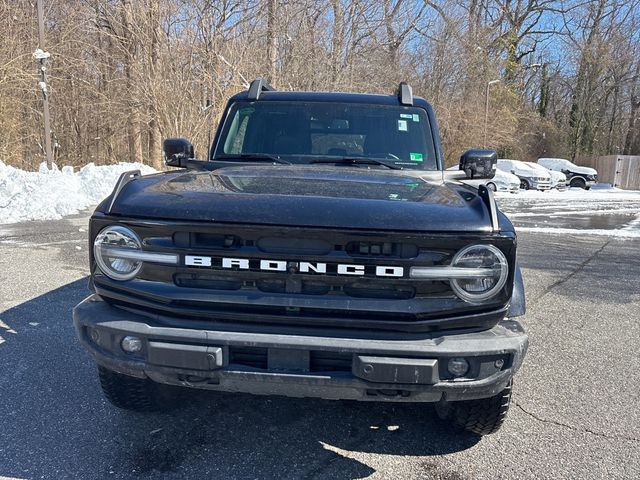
{"points": [[622, 171]]}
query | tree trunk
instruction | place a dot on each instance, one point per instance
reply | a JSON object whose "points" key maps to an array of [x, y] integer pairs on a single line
{"points": [[337, 40], [272, 40], [155, 149], [130, 68], [632, 129]]}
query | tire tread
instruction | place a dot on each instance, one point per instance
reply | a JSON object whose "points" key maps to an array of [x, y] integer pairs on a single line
{"points": [[484, 416], [131, 393]]}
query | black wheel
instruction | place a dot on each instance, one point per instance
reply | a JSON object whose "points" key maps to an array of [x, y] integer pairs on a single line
{"points": [[578, 182], [482, 417], [491, 186], [524, 185], [137, 394]]}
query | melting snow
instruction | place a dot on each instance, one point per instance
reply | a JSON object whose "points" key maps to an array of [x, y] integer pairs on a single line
{"points": [[603, 211]]}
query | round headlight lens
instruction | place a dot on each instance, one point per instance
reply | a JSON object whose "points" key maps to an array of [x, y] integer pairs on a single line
{"points": [[487, 258], [110, 250]]}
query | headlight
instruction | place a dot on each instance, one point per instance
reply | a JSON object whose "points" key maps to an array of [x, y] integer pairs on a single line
{"points": [[110, 250], [476, 273], [118, 253], [491, 269]]}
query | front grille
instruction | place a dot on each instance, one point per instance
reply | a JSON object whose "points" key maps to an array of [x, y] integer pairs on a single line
{"points": [[319, 361], [290, 296], [252, 357]]}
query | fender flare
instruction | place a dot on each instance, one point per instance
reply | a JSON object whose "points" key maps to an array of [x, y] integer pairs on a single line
{"points": [[576, 176], [517, 306]]}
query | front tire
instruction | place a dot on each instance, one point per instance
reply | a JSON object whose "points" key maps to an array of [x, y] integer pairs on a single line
{"points": [[524, 185], [578, 182], [136, 394], [482, 417]]}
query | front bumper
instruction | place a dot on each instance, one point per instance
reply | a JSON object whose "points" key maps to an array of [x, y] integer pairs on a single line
{"points": [[303, 362], [537, 185]]}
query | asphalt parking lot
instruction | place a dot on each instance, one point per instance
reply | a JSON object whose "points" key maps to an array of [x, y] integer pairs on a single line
{"points": [[575, 412]]}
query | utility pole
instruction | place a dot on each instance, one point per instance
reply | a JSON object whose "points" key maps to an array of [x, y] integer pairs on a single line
{"points": [[486, 111], [42, 57]]}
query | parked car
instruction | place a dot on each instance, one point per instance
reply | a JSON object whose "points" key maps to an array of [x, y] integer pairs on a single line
{"points": [[530, 178], [577, 176], [501, 182], [558, 179]]}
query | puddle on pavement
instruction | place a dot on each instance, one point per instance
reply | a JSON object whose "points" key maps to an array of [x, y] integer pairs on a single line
{"points": [[602, 222]]}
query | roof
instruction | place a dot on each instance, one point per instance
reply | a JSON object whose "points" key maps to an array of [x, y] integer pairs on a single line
{"points": [[362, 98]]}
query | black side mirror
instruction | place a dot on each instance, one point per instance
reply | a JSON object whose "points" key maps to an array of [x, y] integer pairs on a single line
{"points": [[479, 163], [177, 151]]}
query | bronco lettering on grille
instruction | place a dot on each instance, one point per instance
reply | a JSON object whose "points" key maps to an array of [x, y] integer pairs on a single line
{"points": [[294, 267]]}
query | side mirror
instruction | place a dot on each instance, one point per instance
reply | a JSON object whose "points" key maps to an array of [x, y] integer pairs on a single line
{"points": [[177, 151], [479, 163]]}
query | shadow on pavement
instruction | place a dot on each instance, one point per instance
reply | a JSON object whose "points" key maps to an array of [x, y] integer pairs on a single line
{"points": [[55, 423]]}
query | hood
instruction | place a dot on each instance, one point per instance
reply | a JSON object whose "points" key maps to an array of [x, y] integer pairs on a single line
{"points": [[583, 170], [312, 196], [506, 177]]}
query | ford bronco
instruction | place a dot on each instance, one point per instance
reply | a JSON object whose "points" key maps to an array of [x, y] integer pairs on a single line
{"points": [[320, 250]]}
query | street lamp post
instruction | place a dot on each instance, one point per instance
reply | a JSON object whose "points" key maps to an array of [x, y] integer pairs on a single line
{"points": [[486, 110]]}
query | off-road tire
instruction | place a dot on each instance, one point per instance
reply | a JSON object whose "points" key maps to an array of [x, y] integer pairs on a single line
{"points": [[136, 394], [578, 182], [482, 417]]}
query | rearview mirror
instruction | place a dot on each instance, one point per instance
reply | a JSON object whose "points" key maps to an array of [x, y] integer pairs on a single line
{"points": [[479, 163], [177, 151]]}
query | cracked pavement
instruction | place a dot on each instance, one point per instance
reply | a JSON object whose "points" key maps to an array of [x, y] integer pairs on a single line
{"points": [[574, 413]]}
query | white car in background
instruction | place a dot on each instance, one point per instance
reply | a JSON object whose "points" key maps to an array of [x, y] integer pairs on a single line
{"points": [[530, 178], [558, 179], [577, 176], [501, 182]]}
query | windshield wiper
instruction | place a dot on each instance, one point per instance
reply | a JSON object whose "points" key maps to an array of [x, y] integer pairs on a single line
{"points": [[358, 160], [258, 157]]}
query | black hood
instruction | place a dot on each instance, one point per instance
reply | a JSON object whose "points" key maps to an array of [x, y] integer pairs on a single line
{"points": [[314, 196]]}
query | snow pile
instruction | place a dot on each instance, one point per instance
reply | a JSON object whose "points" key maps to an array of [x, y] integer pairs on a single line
{"points": [[52, 194]]}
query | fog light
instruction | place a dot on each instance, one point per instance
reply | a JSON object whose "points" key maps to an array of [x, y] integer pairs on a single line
{"points": [[131, 344], [94, 335], [458, 367], [499, 363]]}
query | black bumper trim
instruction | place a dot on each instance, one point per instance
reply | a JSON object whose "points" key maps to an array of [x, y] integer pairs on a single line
{"points": [[111, 323]]}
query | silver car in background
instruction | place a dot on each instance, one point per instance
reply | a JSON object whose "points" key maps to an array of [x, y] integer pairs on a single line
{"points": [[558, 179], [530, 178], [501, 182]]}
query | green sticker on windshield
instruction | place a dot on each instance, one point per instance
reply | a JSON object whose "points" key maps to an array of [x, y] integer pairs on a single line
{"points": [[415, 157]]}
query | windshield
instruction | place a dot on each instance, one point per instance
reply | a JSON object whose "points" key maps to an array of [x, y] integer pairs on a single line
{"points": [[308, 132]]}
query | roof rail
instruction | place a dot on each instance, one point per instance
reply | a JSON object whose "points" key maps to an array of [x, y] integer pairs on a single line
{"points": [[258, 86], [405, 94]]}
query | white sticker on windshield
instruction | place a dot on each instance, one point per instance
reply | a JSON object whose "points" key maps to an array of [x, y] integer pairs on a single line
{"points": [[402, 125], [406, 115], [416, 117]]}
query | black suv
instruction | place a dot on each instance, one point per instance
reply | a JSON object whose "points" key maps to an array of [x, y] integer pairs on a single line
{"points": [[320, 251]]}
